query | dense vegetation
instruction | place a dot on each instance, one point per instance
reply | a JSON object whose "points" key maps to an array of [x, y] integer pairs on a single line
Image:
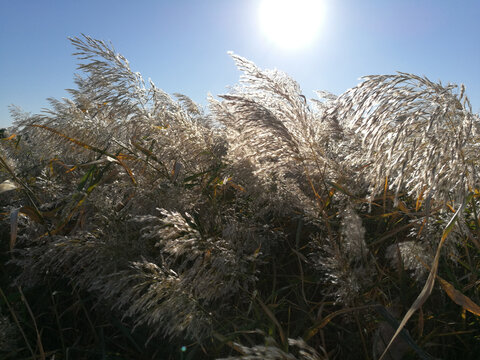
{"points": [[135, 225]]}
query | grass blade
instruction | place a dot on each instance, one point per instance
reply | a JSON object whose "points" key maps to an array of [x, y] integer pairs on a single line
{"points": [[275, 321], [428, 287]]}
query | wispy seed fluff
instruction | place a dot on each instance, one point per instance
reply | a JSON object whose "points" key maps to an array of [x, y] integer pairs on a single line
{"points": [[345, 260], [353, 235]]}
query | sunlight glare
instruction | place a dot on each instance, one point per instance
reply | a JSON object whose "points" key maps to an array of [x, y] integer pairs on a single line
{"points": [[291, 24]]}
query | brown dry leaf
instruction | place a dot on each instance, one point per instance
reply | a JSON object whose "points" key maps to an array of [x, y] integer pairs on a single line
{"points": [[421, 322], [11, 137], [458, 297], [31, 213], [324, 322], [127, 169], [385, 189], [420, 199], [402, 206], [73, 140], [13, 228]]}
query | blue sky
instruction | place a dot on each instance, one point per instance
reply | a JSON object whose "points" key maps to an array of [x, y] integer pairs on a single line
{"points": [[182, 44]]}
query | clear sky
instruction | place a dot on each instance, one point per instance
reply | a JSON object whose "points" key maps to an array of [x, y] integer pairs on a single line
{"points": [[182, 44]]}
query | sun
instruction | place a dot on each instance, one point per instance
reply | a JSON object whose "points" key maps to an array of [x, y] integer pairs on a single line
{"points": [[291, 24]]}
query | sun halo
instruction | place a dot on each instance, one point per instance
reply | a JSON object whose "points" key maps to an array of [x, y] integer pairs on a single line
{"points": [[291, 24]]}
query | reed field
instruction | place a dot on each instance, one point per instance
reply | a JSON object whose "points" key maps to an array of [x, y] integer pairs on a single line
{"points": [[136, 224]]}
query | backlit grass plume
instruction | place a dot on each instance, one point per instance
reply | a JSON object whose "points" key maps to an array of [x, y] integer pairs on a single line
{"points": [[136, 224]]}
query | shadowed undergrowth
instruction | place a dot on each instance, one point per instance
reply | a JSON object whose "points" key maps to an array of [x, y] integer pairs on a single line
{"points": [[136, 224]]}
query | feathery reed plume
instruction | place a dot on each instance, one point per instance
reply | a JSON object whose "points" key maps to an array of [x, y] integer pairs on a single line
{"points": [[269, 214]]}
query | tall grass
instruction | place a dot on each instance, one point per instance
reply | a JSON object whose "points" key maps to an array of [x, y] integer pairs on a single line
{"points": [[138, 225]]}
